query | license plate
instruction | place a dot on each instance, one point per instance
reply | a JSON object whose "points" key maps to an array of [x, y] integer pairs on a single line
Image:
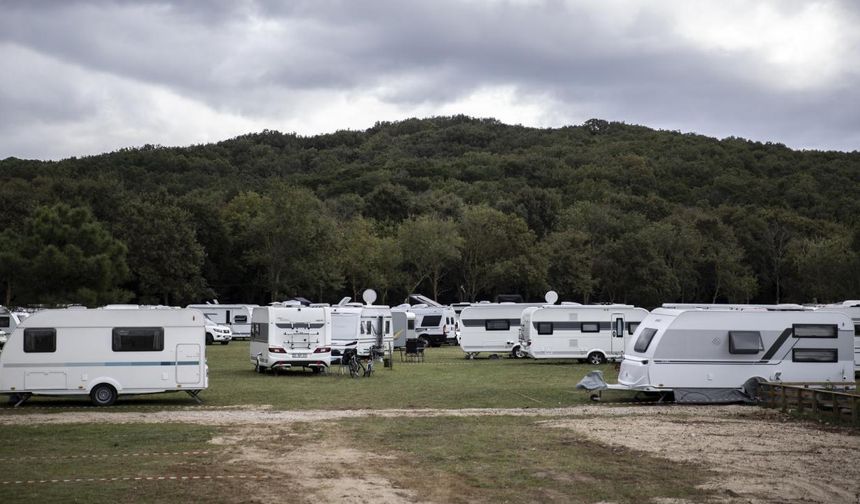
{"points": [[300, 356]]}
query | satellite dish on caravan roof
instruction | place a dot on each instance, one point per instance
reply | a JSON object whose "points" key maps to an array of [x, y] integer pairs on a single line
{"points": [[369, 296], [551, 297]]}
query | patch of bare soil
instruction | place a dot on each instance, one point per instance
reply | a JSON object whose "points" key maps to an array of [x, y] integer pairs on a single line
{"points": [[312, 466], [755, 456], [264, 415]]}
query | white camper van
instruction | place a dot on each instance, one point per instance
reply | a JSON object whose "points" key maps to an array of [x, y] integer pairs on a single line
{"points": [[104, 353], [595, 333], [492, 328], [402, 325], [237, 317], [709, 355], [8, 322], [286, 336], [435, 324]]}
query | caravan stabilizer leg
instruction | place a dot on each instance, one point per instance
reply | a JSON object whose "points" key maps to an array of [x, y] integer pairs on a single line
{"points": [[195, 395], [19, 399]]}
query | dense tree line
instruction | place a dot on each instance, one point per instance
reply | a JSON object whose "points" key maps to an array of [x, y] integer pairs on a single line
{"points": [[455, 207]]}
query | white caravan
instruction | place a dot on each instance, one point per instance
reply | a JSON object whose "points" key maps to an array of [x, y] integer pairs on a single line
{"points": [[710, 355], [492, 328], [347, 330], [595, 333], [852, 309], [104, 353], [361, 326], [435, 324], [235, 316], [402, 325], [8, 322], [286, 336]]}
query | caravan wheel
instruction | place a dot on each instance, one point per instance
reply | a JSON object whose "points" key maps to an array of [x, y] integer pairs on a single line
{"points": [[596, 358], [518, 353], [103, 395]]}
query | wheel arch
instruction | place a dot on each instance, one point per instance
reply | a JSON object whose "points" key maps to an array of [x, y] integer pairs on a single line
{"points": [[104, 379]]}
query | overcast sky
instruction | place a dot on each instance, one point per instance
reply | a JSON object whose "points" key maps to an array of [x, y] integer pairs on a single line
{"points": [[81, 77]]}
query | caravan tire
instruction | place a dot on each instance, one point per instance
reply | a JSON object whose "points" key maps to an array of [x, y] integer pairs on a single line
{"points": [[103, 395], [596, 358], [209, 339], [518, 353]]}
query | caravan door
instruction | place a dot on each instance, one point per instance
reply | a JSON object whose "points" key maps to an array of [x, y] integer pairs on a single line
{"points": [[189, 368], [616, 345]]}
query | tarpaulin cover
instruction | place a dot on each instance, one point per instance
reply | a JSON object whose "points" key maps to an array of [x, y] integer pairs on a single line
{"points": [[592, 381]]}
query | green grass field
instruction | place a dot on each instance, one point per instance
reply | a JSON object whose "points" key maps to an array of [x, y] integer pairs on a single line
{"points": [[444, 380], [444, 459]]}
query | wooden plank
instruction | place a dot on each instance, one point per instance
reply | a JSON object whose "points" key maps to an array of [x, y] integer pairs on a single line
{"points": [[800, 400]]}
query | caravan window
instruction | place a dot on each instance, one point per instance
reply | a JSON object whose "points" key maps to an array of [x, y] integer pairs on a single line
{"points": [[259, 332], [138, 339], [5, 321], [387, 326], [431, 320], [745, 342], [857, 330], [40, 340], [497, 325], [815, 330], [590, 327], [240, 319], [814, 355], [369, 327], [631, 327], [410, 324], [544, 327], [644, 340]]}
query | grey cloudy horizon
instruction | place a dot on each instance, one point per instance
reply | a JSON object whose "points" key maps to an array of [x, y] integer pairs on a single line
{"points": [[86, 77]]}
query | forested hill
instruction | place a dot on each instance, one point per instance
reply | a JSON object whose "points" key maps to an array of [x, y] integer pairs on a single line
{"points": [[455, 207]]}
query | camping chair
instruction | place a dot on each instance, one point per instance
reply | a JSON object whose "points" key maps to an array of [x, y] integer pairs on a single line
{"points": [[414, 350]]}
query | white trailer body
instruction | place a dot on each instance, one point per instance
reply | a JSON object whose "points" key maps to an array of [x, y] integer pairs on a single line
{"points": [[283, 337], [104, 353], [361, 327], [596, 333], [235, 316], [376, 322], [8, 322], [347, 330], [402, 325], [709, 355], [491, 327], [435, 324], [852, 310]]}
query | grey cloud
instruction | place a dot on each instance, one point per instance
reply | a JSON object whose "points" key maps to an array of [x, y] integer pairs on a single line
{"points": [[255, 57]]}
